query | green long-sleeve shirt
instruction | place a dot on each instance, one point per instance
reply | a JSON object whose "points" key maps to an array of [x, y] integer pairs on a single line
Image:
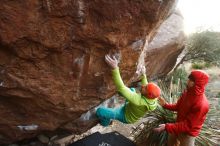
{"points": [[137, 104]]}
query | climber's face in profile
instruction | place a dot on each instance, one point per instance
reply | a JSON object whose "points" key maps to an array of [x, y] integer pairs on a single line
{"points": [[144, 90]]}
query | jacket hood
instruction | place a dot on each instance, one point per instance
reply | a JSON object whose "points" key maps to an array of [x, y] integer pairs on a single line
{"points": [[200, 79]]}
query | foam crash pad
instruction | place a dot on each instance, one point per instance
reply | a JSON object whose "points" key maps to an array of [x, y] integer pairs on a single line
{"points": [[107, 139]]}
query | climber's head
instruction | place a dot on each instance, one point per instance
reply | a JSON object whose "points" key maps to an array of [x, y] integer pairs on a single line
{"points": [[151, 91]]}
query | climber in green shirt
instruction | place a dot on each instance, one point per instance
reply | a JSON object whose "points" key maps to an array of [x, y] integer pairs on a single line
{"points": [[137, 103]]}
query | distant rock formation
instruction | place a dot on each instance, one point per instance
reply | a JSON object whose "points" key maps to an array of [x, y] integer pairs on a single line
{"points": [[166, 46]]}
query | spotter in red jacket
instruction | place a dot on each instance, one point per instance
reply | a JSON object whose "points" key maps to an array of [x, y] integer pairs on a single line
{"points": [[191, 108]]}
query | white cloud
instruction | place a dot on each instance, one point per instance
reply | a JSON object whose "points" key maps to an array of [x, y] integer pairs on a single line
{"points": [[200, 14]]}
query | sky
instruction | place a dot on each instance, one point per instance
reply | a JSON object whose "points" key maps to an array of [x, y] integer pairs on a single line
{"points": [[200, 14]]}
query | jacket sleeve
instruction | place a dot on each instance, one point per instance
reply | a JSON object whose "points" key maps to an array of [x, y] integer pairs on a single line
{"points": [[131, 96], [173, 107], [144, 80], [191, 121]]}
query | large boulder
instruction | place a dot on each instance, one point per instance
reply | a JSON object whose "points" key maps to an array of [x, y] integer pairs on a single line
{"points": [[166, 46], [52, 65]]}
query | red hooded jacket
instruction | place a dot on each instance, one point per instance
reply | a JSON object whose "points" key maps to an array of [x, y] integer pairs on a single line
{"points": [[191, 108]]}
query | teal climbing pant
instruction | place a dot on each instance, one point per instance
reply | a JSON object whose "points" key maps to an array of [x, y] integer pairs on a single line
{"points": [[107, 114]]}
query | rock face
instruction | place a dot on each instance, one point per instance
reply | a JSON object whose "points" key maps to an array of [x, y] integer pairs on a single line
{"points": [[166, 46], [52, 65]]}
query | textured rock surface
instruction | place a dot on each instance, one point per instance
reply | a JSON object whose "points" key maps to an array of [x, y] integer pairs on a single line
{"points": [[166, 46], [52, 65]]}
